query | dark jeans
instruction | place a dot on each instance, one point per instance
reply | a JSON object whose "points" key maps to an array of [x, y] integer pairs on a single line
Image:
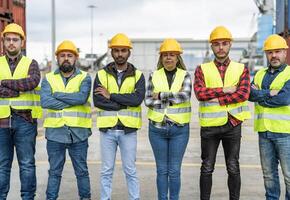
{"points": [[168, 146], [56, 156], [210, 139], [22, 136]]}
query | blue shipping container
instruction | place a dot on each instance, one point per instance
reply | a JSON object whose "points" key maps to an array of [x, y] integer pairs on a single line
{"points": [[265, 28], [280, 15]]}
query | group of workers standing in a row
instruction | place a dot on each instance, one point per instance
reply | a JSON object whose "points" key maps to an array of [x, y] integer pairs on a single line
{"points": [[221, 86]]}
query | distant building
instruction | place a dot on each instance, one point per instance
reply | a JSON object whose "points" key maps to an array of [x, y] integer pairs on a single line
{"points": [[12, 11], [145, 52]]}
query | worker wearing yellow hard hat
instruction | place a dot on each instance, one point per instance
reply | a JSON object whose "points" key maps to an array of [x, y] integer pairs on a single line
{"points": [[222, 87], [270, 90], [19, 110], [119, 90], [65, 94], [169, 111]]}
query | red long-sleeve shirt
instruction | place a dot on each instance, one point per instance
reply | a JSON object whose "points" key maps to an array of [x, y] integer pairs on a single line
{"points": [[203, 93]]}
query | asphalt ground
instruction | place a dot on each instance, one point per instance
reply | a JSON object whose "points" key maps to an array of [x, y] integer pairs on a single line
{"points": [[252, 180]]}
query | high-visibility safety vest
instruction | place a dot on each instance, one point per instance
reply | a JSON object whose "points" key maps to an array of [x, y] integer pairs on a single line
{"points": [[74, 116], [212, 113], [26, 100], [180, 113], [272, 119], [129, 117]]}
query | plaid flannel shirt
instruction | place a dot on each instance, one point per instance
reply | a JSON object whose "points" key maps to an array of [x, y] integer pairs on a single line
{"points": [[203, 93], [11, 88], [167, 98]]}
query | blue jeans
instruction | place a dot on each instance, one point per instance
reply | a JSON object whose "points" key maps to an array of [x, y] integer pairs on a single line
{"points": [[275, 148], [168, 146], [109, 142], [56, 156], [22, 136]]}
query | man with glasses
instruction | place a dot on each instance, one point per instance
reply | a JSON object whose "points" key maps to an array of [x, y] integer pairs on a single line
{"points": [[19, 109], [222, 88]]}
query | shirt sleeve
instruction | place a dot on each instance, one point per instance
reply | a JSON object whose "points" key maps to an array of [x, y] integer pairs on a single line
{"points": [[103, 103], [76, 98], [281, 99], [132, 99], [241, 94], [47, 100], [183, 95], [203, 93], [25, 84], [7, 93], [149, 101], [258, 95]]}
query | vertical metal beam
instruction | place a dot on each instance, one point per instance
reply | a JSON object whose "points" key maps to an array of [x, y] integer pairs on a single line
{"points": [[92, 7], [53, 63], [285, 34]]}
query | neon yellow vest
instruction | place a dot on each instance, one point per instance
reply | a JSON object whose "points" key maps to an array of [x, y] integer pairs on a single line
{"points": [[277, 119], [180, 113], [74, 116], [25, 100], [129, 117], [212, 113]]}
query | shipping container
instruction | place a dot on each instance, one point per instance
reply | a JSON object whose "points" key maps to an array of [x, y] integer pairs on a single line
{"points": [[280, 15], [12, 11], [288, 51]]}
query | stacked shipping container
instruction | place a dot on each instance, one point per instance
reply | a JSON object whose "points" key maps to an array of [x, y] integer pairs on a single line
{"points": [[12, 11]]}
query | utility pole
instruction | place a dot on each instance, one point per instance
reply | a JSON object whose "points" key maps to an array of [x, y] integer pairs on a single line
{"points": [[92, 7], [286, 14], [53, 63]]}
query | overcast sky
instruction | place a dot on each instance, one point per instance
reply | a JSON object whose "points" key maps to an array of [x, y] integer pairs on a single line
{"points": [[137, 18]]}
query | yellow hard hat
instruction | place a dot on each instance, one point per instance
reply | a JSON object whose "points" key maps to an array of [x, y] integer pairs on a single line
{"points": [[220, 32], [170, 45], [120, 40], [275, 42], [67, 45], [14, 28]]}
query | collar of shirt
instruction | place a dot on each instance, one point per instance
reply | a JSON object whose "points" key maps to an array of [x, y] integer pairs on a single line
{"points": [[225, 63], [14, 60], [65, 80], [280, 69], [116, 70]]}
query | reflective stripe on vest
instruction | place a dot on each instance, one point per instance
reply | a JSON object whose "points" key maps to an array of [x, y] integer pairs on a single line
{"points": [[74, 116], [118, 113], [272, 116], [69, 114], [173, 110], [26, 100], [211, 113], [129, 117], [179, 113], [276, 119]]}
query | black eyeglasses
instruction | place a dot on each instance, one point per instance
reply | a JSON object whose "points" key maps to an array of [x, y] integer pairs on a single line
{"points": [[7, 39]]}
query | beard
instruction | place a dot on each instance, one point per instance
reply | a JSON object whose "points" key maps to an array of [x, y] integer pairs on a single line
{"points": [[120, 60], [66, 67], [222, 57], [12, 53]]}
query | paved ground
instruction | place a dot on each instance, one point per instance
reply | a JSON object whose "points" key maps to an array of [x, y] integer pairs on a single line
{"points": [[252, 181]]}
